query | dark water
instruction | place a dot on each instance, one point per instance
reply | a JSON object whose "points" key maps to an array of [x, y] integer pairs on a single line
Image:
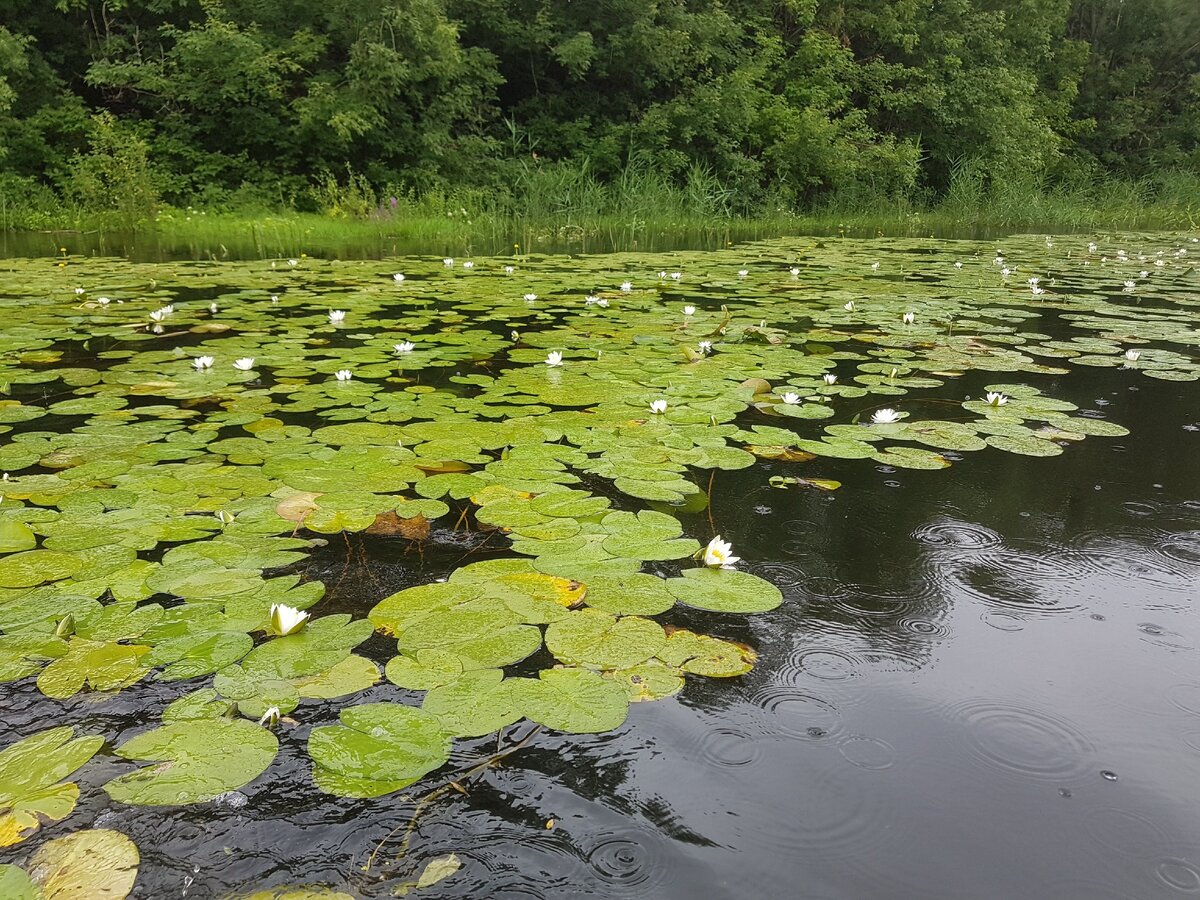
{"points": [[984, 683]]}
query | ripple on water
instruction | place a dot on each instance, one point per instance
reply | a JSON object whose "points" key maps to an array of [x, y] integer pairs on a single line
{"points": [[626, 865], [798, 714], [955, 535], [1013, 581], [1143, 555], [1178, 874], [1125, 832], [827, 664], [730, 747], [867, 752], [790, 579], [826, 815], [1185, 696], [924, 627], [1183, 547], [1023, 741]]}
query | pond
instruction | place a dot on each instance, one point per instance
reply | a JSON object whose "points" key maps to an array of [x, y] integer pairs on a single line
{"points": [[810, 567]]}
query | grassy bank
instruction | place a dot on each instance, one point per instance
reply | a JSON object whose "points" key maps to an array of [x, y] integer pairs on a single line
{"points": [[565, 208]]}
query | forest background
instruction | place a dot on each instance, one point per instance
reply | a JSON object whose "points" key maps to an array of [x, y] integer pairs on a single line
{"points": [[131, 113]]}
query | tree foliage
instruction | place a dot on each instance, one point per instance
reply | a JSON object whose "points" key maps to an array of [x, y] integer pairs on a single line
{"points": [[779, 100]]}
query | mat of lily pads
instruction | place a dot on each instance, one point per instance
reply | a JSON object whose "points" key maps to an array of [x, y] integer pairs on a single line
{"points": [[176, 438]]}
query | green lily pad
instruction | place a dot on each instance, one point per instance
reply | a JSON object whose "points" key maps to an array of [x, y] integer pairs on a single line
{"points": [[32, 789], [596, 639], [196, 760], [571, 700], [724, 590], [94, 864]]}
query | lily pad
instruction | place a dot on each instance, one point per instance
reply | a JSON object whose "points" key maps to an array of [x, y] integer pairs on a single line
{"points": [[32, 789], [95, 864], [724, 590]]}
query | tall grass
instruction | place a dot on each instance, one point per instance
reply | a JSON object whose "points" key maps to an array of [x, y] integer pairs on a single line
{"points": [[565, 205]]}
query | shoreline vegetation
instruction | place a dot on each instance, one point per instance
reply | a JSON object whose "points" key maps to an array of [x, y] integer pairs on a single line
{"points": [[603, 217]]}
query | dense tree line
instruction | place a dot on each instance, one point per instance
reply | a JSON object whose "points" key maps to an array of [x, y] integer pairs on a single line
{"points": [[777, 100]]}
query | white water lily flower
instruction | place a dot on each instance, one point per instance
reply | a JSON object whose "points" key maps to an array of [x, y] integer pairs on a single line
{"points": [[1132, 355], [675, 276], [103, 301], [602, 302], [995, 398], [795, 271], [874, 267], [958, 265], [742, 273], [337, 316], [529, 298], [554, 358], [399, 276], [203, 362], [626, 286], [719, 554], [157, 315], [689, 310], [830, 378], [79, 292], [658, 407], [909, 318], [1092, 248], [1143, 274], [293, 262], [790, 398], [848, 306], [343, 374], [998, 261], [286, 619], [245, 364], [270, 718], [508, 270], [1129, 286], [274, 299], [1005, 272], [1033, 280], [1036, 289], [1160, 262], [705, 346], [885, 416], [448, 261], [662, 274], [590, 300], [516, 335], [468, 265], [212, 307], [407, 346]]}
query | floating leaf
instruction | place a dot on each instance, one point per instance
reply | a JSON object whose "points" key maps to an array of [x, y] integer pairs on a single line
{"points": [[95, 864], [724, 590], [571, 700], [599, 640], [31, 780], [197, 760], [435, 870]]}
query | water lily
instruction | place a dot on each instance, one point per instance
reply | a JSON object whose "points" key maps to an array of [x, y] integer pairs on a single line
{"points": [[998, 261], [658, 407], [529, 298], [590, 300], [790, 398], [343, 374], [885, 416], [293, 262], [909, 318], [705, 346], [407, 346], [1033, 281], [675, 276], [742, 273], [202, 363], [1005, 272], [1129, 286], [79, 292], [337, 316], [795, 270], [958, 265], [626, 286], [274, 299], [1092, 248], [245, 364], [1132, 355], [516, 335], [157, 315], [212, 308], [848, 306], [995, 398], [662, 274], [270, 718], [286, 619], [829, 378], [448, 261], [874, 267], [468, 264], [689, 310], [554, 358], [399, 276], [1036, 289], [103, 301], [719, 554], [602, 303], [508, 270]]}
